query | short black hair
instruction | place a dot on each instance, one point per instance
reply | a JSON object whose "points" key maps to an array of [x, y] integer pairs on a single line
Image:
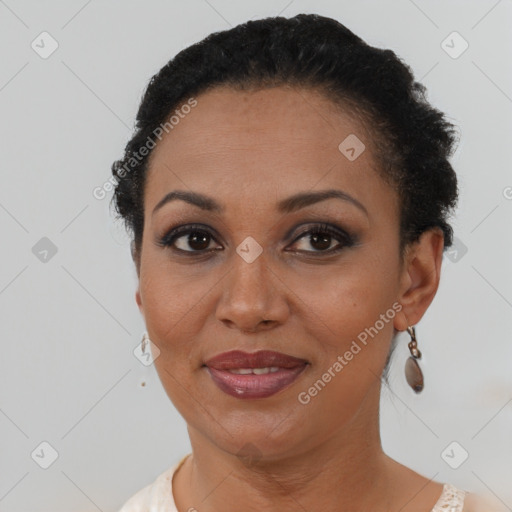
{"points": [[413, 139]]}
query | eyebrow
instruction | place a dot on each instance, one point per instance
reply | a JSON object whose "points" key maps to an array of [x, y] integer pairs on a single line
{"points": [[288, 205]]}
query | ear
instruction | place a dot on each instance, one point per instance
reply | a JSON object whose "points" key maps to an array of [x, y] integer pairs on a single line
{"points": [[136, 261], [138, 300], [135, 257], [420, 277]]}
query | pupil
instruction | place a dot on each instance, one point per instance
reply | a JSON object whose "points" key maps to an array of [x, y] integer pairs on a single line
{"points": [[195, 240], [325, 241]]}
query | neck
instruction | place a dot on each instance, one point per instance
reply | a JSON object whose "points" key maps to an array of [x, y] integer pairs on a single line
{"points": [[346, 470]]}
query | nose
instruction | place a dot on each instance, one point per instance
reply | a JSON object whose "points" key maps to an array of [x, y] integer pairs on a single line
{"points": [[253, 298]]}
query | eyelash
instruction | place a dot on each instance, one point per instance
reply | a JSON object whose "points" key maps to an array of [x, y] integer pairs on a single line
{"points": [[174, 234]]}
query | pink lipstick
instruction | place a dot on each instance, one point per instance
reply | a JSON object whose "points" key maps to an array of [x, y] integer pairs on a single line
{"points": [[254, 375]]}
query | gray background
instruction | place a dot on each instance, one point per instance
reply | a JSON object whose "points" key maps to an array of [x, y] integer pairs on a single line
{"points": [[69, 324]]}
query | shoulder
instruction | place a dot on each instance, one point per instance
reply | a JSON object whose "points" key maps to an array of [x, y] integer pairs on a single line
{"points": [[454, 499], [474, 502], [156, 496], [139, 501], [151, 494]]}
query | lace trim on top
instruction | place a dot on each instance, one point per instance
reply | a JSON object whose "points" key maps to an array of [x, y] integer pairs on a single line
{"points": [[451, 499]]}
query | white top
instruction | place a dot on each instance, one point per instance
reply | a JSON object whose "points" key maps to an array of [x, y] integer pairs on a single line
{"points": [[158, 497]]}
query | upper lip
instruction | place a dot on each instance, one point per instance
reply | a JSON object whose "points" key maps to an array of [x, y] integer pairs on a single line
{"points": [[260, 359]]}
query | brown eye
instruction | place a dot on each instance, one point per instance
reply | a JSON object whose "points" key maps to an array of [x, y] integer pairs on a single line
{"points": [[188, 239], [197, 240], [322, 237]]}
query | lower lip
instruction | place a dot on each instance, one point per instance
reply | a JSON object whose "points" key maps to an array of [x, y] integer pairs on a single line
{"points": [[254, 386]]}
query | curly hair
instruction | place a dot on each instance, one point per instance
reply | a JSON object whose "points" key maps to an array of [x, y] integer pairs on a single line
{"points": [[412, 140]]}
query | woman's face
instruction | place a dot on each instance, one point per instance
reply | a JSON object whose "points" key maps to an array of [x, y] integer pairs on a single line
{"points": [[252, 261]]}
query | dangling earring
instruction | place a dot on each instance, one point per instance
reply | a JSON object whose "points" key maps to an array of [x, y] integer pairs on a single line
{"points": [[413, 372], [144, 341]]}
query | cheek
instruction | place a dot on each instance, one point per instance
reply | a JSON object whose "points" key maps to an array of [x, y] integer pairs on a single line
{"points": [[352, 325], [171, 304], [349, 314], [349, 297]]}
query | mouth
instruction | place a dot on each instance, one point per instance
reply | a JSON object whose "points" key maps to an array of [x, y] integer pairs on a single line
{"points": [[254, 375]]}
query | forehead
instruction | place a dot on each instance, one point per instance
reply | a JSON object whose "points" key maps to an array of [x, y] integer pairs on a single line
{"points": [[281, 116], [264, 144]]}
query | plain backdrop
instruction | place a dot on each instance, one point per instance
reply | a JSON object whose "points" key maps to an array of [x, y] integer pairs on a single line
{"points": [[68, 319]]}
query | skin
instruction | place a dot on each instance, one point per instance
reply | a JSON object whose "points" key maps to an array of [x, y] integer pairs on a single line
{"points": [[248, 150]]}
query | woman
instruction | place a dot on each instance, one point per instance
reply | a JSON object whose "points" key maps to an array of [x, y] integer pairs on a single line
{"points": [[288, 189]]}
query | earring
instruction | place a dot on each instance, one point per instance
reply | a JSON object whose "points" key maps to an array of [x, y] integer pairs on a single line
{"points": [[413, 372], [144, 341]]}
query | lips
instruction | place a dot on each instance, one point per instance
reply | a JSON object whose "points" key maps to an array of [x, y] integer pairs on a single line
{"points": [[262, 359], [254, 375]]}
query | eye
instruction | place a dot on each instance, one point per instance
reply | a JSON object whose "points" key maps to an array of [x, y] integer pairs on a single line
{"points": [[193, 236], [321, 238], [196, 238]]}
